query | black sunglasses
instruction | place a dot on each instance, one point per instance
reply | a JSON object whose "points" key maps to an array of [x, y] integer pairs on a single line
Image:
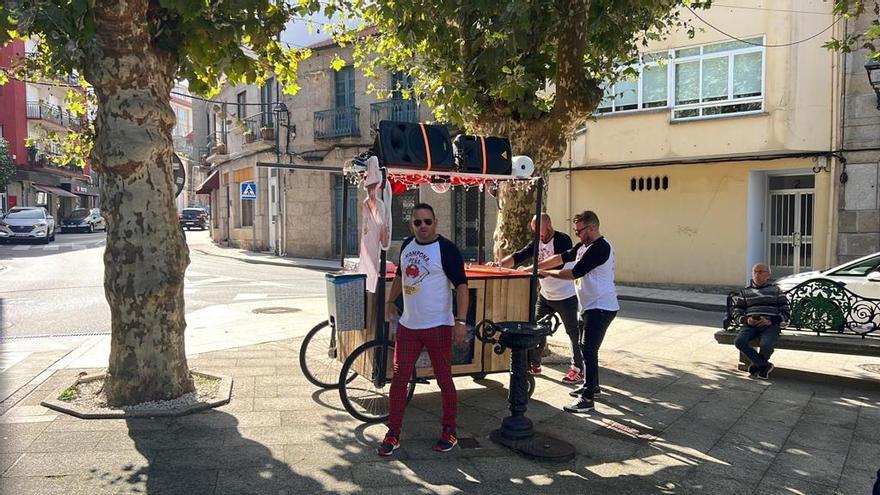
{"points": [[418, 222]]}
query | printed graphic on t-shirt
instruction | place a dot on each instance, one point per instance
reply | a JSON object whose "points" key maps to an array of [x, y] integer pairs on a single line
{"points": [[416, 269], [545, 250]]}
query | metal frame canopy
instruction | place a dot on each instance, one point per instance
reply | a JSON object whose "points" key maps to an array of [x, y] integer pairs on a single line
{"points": [[416, 177]]}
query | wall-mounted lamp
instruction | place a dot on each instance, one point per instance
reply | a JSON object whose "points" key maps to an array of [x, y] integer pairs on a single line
{"points": [[873, 69]]}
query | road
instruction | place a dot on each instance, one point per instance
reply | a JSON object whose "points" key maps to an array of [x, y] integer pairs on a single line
{"points": [[57, 289]]}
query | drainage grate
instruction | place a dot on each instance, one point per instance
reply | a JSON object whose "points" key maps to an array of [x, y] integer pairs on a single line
{"points": [[54, 335], [277, 310], [468, 443], [627, 432], [872, 368]]}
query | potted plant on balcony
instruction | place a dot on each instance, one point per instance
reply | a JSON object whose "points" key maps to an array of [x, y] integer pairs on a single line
{"points": [[249, 136], [267, 133]]}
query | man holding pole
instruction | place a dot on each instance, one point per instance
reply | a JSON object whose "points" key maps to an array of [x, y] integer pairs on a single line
{"points": [[556, 296], [430, 270]]}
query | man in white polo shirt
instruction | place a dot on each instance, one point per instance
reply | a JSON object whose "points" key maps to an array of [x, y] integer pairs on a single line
{"points": [[556, 296], [430, 269], [597, 297]]}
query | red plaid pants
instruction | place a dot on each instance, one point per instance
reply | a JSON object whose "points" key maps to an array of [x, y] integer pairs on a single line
{"points": [[407, 348]]}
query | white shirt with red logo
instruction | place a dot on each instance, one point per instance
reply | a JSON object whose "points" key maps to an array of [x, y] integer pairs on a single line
{"points": [[429, 274]]}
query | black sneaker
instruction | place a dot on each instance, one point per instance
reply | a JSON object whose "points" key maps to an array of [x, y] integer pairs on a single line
{"points": [[764, 373], [579, 406], [388, 446], [753, 371], [579, 391], [447, 441]]}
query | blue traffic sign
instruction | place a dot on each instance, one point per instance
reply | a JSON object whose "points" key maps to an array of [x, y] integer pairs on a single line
{"points": [[248, 190]]}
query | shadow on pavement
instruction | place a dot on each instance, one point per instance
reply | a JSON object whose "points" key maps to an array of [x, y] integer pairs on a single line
{"points": [[658, 430], [205, 453]]}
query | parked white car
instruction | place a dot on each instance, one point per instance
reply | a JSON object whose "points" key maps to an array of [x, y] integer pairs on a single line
{"points": [[27, 223], [861, 276]]}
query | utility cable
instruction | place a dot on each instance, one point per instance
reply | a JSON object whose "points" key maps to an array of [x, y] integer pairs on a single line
{"points": [[781, 45]]}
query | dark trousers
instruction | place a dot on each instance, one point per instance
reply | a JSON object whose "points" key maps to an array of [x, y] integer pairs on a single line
{"points": [[594, 324], [567, 310], [768, 336]]}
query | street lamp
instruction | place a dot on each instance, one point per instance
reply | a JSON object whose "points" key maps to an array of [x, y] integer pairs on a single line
{"points": [[873, 69]]}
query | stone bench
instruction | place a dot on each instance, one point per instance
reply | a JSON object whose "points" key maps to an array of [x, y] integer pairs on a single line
{"points": [[825, 317]]}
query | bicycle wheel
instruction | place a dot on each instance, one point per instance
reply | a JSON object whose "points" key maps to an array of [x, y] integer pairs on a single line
{"points": [[360, 395], [318, 356]]}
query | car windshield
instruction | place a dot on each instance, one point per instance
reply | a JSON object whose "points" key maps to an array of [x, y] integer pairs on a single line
{"points": [[25, 214], [859, 269], [192, 213], [81, 213]]}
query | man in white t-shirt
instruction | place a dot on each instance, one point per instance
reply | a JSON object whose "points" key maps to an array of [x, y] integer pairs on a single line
{"points": [[597, 297], [556, 296], [430, 270]]}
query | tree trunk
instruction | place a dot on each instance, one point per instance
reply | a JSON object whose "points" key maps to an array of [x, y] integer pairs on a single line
{"points": [[146, 254]]}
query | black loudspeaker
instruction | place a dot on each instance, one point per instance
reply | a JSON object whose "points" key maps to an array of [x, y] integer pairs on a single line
{"points": [[416, 146], [483, 154]]}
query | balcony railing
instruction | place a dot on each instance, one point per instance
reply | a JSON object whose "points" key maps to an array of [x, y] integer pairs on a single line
{"points": [[52, 113], [399, 110], [337, 123]]}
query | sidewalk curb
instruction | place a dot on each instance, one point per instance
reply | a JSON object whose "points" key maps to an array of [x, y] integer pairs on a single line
{"points": [[269, 262], [687, 304]]}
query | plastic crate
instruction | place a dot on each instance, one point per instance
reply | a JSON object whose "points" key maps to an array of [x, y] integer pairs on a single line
{"points": [[345, 300]]}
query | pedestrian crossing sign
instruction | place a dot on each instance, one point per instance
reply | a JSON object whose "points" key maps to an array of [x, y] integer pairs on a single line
{"points": [[248, 190]]}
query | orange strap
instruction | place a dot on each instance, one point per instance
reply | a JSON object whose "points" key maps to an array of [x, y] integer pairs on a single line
{"points": [[483, 144], [427, 146]]}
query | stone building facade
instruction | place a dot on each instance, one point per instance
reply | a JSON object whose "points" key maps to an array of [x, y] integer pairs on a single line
{"points": [[859, 197], [331, 119]]}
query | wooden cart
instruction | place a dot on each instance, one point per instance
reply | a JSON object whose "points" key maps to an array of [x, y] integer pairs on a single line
{"points": [[358, 361]]}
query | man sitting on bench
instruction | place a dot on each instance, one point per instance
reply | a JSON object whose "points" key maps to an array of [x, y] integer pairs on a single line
{"points": [[762, 310]]}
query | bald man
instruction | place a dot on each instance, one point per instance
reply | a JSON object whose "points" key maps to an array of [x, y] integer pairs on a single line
{"points": [[761, 309], [556, 296]]}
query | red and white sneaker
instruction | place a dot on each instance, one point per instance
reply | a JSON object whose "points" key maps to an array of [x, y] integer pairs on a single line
{"points": [[535, 369], [573, 376]]}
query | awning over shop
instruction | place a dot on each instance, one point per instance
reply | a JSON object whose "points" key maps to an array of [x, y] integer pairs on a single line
{"points": [[54, 190], [211, 183]]}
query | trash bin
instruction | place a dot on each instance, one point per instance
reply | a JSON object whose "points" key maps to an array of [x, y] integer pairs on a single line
{"points": [[345, 300]]}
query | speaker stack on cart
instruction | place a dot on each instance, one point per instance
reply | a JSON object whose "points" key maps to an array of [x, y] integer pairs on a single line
{"points": [[483, 154], [415, 146], [427, 147]]}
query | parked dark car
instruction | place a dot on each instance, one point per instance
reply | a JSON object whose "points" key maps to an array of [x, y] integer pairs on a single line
{"points": [[87, 219], [193, 217], [30, 223]]}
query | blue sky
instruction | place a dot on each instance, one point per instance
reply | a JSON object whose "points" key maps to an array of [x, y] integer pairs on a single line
{"points": [[297, 32]]}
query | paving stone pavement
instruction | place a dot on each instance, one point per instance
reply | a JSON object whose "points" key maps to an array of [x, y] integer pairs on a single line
{"points": [[675, 418]]}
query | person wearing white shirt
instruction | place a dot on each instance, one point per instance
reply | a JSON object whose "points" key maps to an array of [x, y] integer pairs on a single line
{"points": [[597, 297], [557, 296]]}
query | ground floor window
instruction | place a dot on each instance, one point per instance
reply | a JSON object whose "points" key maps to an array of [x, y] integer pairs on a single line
{"points": [[247, 213]]}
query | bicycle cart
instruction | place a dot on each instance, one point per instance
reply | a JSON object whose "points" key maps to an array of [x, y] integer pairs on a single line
{"points": [[353, 349]]}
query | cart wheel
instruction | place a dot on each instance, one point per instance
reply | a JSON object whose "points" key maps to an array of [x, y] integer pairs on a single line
{"points": [[360, 396], [531, 385], [318, 356]]}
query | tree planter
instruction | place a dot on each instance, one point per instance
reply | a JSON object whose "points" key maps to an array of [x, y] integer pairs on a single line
{"points": [[267, 133], [177, 407], [249, 137]]}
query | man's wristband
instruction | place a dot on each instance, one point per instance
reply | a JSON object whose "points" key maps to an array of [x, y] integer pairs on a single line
{"points": [[463, 322]]}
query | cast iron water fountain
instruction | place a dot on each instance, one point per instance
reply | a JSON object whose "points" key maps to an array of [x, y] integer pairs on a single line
{"points": [[517, 431]]}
